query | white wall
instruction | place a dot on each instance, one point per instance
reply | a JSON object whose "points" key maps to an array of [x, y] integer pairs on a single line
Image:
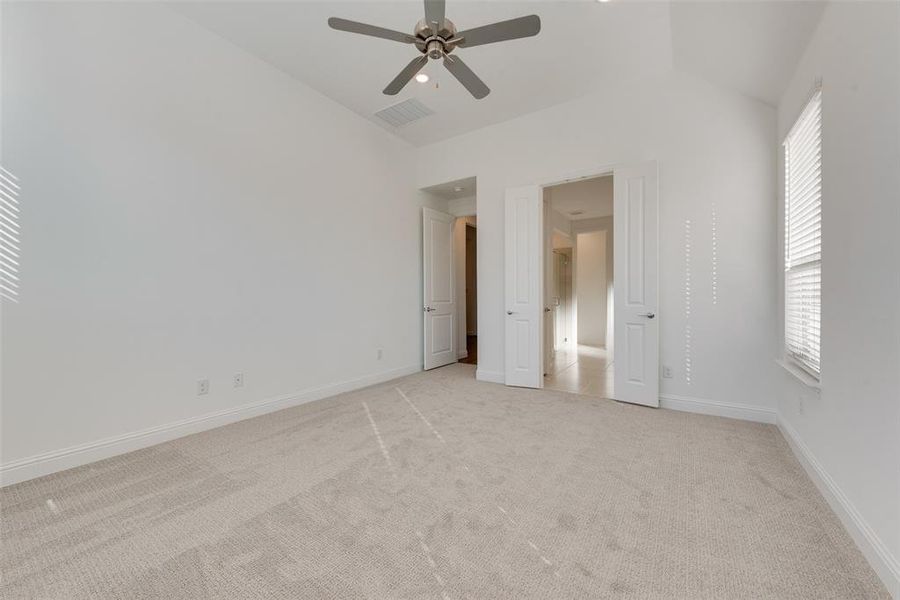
{"points": [[851, 432], [604, 224], [590, 286], [714, 147], [187, 213]]}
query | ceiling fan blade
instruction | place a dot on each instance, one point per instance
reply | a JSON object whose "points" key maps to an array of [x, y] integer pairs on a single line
{"points": [[464, 74], [365, 29], [434, 12], [500, 32], [408, 72]]}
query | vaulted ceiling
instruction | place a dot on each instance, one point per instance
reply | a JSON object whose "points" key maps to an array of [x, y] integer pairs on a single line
{"points": [[749, 46]]}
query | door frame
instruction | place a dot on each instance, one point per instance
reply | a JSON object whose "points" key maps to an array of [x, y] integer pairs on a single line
{"points": [[572, 177]]}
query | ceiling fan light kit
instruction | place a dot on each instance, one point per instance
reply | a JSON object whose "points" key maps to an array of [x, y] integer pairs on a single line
{"points": [[436, 37]]}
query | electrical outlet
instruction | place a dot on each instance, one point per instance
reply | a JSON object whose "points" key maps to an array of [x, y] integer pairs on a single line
{"points": [[238, 380], [667, 372], [379, 353], [202, 387]]}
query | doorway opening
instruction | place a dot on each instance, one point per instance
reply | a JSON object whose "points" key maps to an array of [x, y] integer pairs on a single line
{"points": [[579, 284], [528, 235], [450, 295], [468, 317]]}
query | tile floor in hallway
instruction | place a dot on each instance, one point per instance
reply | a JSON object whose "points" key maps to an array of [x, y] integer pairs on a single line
{"points": [[581, 369]]}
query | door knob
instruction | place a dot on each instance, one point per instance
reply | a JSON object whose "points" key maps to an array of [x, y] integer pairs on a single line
{"points": [[429, 309], [546, 309], [648, 315], [510, 312]]}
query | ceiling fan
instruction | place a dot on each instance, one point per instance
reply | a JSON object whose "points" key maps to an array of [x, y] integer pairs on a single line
{"points": [[436, 37]]}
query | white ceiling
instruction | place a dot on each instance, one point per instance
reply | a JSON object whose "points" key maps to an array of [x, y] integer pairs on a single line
{"points": [[752, 47], [583, 46], [453, 190], [589, 198]]}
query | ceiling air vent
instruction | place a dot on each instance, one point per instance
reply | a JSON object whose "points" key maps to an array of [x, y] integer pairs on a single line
{"points": [[403, 113]]}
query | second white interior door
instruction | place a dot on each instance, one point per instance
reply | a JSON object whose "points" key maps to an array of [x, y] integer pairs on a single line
{"points": [[636, 239], [439, 308], [524, 287]]}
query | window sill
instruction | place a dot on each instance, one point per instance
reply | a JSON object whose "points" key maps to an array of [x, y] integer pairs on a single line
{"points": [[804, 377]]}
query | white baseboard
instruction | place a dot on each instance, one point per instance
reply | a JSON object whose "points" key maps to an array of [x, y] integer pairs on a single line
{"points": [[74, 456], [716, 408], [491, 376], [885, 565]]}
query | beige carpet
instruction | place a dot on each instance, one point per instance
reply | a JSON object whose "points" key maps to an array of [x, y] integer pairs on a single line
{"points": [[438, 486]]}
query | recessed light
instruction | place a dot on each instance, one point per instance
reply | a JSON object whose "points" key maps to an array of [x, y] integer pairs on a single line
{"points": [[422, 78], [603, 1], [457, 189]]}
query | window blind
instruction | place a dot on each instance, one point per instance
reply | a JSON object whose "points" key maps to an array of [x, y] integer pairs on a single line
{"points": [[803, 237]]}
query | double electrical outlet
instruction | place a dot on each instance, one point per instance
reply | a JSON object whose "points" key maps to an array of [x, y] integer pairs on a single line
{"points": [[237, 380]]}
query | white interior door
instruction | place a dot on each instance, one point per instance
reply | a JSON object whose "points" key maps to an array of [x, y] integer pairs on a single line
{"points": [[636, 258], [440, 292], [524, 287]]}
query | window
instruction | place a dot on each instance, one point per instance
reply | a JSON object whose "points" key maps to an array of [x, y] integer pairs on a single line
{"points": [[803, 237]]}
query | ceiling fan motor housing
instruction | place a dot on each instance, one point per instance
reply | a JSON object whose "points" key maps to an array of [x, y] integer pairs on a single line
{"points": [[435, 43]]}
